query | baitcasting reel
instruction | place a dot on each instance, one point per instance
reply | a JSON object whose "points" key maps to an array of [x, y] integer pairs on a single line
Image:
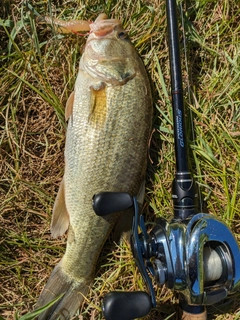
{"points": [[198, 257]]}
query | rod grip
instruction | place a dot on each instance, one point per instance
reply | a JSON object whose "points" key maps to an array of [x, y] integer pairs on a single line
{"points": [[183, 315]]}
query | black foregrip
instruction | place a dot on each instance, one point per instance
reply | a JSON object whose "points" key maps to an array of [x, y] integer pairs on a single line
{"points": [[126, 305], [109, 202]]}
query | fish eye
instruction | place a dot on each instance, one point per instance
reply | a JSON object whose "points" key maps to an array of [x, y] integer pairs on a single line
{"points": [[122, 35]]}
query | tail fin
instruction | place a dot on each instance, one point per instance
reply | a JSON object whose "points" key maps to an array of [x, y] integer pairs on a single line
{"points": [[73, 296]]}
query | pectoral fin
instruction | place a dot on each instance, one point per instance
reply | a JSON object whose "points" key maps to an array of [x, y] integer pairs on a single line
{"points": [[69, 106], [60, 218], [98, 112]]}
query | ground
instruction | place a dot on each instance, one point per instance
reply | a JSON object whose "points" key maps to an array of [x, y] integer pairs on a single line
{"points": [[38, 68]]}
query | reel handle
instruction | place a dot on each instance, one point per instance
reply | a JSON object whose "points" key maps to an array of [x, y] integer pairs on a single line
{"points": [[126, 305]]}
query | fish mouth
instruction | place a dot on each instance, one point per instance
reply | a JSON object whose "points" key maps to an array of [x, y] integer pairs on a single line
{"points": [[101, 28], [96, 56]]}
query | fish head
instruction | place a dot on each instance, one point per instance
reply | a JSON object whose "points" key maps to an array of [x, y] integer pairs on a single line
{"points": [[109, 54]]}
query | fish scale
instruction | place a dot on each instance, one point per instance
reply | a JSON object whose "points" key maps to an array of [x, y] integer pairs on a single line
{"points": [[109, 123]]}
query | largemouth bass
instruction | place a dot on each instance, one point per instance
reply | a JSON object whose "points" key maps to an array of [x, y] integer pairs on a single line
{"points": [[109, 122]]}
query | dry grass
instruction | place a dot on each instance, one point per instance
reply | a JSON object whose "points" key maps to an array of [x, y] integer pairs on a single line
{"points": [[38, 70]]}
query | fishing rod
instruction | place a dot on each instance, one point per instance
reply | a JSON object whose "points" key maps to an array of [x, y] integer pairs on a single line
{"points": [[195, 254]]}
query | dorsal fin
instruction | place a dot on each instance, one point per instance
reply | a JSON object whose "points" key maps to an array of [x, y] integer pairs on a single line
{"points": [[60, 217]]}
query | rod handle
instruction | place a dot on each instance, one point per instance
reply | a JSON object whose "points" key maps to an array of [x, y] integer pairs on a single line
{"points": [[183, 315]]}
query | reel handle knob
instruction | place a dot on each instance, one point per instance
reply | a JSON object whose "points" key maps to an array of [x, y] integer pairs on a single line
{"points": [[126, 305], [105, 203]]}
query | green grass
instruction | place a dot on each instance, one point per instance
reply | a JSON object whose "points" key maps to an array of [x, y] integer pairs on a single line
{"points": [[37, 73]]}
